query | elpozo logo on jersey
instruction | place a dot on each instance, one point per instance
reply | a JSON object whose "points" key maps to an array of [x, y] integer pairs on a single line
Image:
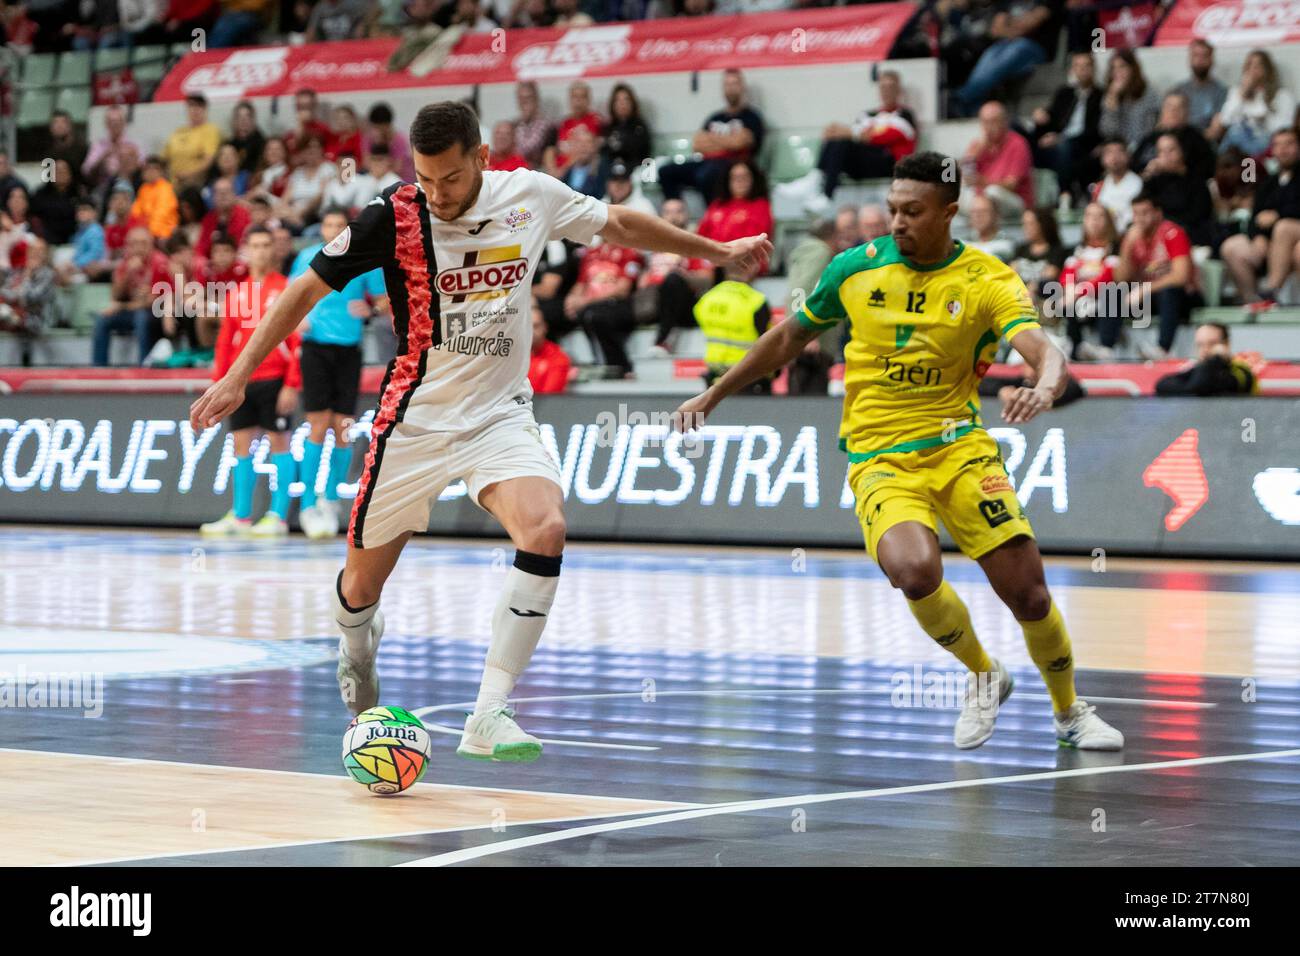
{"points": [[488, 277]]}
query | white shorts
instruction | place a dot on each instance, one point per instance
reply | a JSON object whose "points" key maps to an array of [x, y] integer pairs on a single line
{"points": [[408, 469]]}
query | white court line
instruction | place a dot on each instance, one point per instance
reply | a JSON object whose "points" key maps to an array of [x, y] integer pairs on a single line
{"points": [[747, 806]]}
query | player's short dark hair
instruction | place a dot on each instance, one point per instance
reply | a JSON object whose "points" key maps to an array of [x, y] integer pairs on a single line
{"points": [[1223, 330], [1115, 141], [175, 243], [252, 231], [440, 126], [222, 239], [931, 167], [381, 113], [380, 149], [334, 211], [196, 99], [1146, 195]]}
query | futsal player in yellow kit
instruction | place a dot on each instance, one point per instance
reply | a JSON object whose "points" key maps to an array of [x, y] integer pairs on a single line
{"points": [[925, 314]]}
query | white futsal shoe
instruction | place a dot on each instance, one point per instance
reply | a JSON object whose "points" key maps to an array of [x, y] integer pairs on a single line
{"points": [[318, 522], [359, 679], [226, 526], [979, 713], [494, 735], [271, 525], [1081, 728]]}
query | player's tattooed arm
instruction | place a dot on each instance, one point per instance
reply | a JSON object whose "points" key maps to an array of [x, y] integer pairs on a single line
{"points": [[639, 230], [284, 316], [1050, 376], [776, 348]]}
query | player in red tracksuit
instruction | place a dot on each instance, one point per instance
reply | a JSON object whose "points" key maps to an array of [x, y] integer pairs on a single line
{"points": [[270, 399]]}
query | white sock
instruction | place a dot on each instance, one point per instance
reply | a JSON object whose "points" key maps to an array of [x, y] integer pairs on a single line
{"points": [[517, 625], [354, 624]]}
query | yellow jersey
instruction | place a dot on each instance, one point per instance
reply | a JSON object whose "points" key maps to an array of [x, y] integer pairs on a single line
{"points": [[921, 338]]}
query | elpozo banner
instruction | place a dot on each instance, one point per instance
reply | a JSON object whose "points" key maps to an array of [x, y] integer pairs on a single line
{"points": [[1204, 477], [1254, 23], [787, 38]]}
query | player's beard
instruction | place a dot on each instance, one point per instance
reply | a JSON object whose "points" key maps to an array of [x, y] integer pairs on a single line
{"points": [[469, 200]]}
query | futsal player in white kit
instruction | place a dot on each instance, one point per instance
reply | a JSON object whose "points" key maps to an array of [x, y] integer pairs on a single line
{"points": [[458, 248]]}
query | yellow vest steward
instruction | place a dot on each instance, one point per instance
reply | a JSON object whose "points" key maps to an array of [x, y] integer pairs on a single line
{"points": [[726, 314]]}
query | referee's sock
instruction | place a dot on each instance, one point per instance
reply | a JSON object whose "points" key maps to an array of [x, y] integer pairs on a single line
{"points": [[517, 625], [284, 469], [340, 465], [311, 452], [243, 480], [943, 615]]}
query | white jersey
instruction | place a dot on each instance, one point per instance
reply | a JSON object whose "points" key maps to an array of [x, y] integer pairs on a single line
{"points": [[461, 292]]}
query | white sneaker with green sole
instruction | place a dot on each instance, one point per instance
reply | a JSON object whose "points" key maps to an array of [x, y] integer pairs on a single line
{"points": [[494, 735]]}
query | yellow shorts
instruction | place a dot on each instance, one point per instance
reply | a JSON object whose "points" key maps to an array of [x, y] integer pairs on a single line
{"points": [[963, 482]]}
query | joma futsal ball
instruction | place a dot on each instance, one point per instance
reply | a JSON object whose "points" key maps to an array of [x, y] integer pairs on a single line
{"points": [[386, 749]]}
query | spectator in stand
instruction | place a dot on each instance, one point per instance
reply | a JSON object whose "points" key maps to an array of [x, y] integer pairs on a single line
{"points": [[240, 22], [246, 136], [226, 166], [8, 179], [1086, 286], [381, 131], [336, 20], [807, 261], [548, 366], [982, 219], [15, 228], [627, 138], [872, 223], [1205, 95], [865, 150], [272, 174], [227, 216], [27, 301], [190, 150], [847, 232], [89, 251], [601, 301], [504, 156], [104, 161], [1024, 35], [998, 165], [119, 220], [1155, 259], [1256, 107], [306, 187], [259, 213], [1198, 153], [131, 307], [64, 142], [1181, 193], [94, 27], [585, 172], [567, 14], [350, 193], [622, 190], [1119, 184], [530, 13], [306, 108], [191, 209], [742, 207], [470, 15], [282, 249], [965, 32], [1233, 191], [1065, 134], [183, 303], [183, 17], [1039, 258], [1215, 371], [225, 272], [379, 166], [155, 201], [556, 159], [732, 133], [1271, 245], [54, 206], [344, 141], [534, 133], [669, 286], [732, 315], [1129, 108]]}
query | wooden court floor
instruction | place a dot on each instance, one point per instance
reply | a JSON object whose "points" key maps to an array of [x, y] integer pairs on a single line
{"points": [[705, 707]]}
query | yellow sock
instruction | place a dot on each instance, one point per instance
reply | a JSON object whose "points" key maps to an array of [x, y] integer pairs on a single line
{"points": [[1049, 646], [944, 617]]}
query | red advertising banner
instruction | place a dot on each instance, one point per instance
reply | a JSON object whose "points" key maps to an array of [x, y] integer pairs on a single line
{"points": [[1259, 23], [1128, 26], [787, 38]]}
